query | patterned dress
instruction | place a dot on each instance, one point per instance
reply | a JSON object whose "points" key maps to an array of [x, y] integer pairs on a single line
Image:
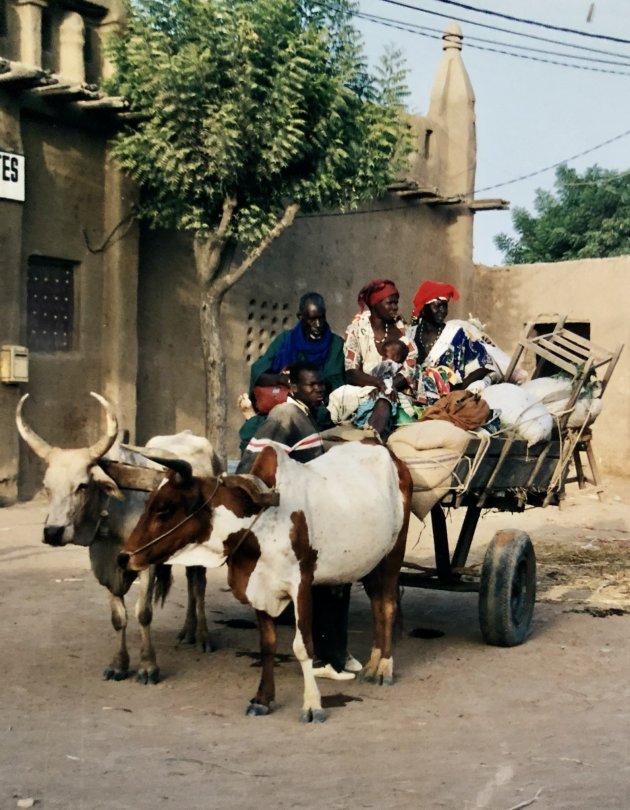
{"points": [[361, 353], [457, 352]]}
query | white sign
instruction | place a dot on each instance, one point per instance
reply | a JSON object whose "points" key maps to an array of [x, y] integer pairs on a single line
{"points": [[11, 176]]}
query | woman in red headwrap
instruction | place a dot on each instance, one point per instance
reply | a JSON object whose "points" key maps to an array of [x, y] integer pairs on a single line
{"points": [[378, 322], [451, 354]]}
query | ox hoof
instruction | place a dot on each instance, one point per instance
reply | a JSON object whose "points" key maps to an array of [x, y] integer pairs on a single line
{"points": [[205, 645], [257, 709], [313, 716], [111, 674], [146, 676], [184, 637]]}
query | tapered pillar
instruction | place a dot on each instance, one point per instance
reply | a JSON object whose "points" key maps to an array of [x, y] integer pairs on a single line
{"points": [[452, 112], [452, 109]]}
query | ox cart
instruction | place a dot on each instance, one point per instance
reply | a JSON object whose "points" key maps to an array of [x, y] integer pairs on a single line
{"points": [[502, 473]]}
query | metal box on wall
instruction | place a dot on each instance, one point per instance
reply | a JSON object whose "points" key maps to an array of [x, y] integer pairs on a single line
{"points": [[13, 364]]}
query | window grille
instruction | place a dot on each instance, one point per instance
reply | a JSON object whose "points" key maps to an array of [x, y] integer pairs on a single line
{"points": [[50, 304], [265, 320]]}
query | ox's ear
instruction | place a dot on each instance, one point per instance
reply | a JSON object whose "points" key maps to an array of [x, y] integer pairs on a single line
{"points": [[265, 466], [257, 489], [107, 484]]}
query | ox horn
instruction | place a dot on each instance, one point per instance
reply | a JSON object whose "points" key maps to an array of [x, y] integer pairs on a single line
{"points": [[102, 445], [35, 442], [178, 465], [254, 486]]}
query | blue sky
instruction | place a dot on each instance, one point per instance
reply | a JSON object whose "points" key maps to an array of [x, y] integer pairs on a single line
{"points": [[530, 114]]}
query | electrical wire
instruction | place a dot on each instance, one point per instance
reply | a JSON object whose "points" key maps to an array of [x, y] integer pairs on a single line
{"points": [[526, 21], [554, 165], [413, 28], [469, 44], [491, 27]]}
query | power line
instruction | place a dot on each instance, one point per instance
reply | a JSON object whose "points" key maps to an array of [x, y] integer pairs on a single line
{"points": [[413, 30], [550, 61], [495, 27], [529, 22], [555, 165]]}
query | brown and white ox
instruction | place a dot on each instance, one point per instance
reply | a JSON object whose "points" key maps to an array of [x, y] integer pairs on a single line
{"points": [[282, 528], [86, 507]]}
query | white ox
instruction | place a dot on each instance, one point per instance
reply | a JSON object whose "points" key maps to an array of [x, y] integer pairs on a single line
{"points": [[340, 518], [86, 507]]}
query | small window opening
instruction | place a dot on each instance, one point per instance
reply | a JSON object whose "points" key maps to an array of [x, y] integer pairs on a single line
{"points": [[47, 30], [581, 328], [427, 143], [3, 18]]}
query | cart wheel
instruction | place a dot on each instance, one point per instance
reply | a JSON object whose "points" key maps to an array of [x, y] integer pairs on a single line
{"points": [[507, 589]]}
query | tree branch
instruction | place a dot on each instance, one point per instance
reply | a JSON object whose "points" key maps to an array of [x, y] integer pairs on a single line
{"points": [[229, 204], [209, 251], [229, 278]]}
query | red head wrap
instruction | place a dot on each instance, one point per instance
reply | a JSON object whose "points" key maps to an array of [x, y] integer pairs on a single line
{"points": [[429, 291], [375, 291]]}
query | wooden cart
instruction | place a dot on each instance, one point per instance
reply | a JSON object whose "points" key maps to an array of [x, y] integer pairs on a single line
{"points": [[503, 474]]}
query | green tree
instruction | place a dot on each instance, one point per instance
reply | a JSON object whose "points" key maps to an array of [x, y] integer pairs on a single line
{"points": [[248, 111], [588, 217]]}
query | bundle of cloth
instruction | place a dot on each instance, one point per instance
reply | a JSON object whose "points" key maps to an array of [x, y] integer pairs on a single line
{"points": [[519, 411]]}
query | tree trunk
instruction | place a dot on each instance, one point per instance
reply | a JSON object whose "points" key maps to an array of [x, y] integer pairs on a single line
{"points": [[214, 364], [213, 261]]}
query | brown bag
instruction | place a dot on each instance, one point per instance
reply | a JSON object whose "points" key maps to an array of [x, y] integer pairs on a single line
{"points": [[462, 408], [268, 396]]}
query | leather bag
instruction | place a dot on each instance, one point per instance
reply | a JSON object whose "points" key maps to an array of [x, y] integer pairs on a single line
{"points": [[268, 396]]}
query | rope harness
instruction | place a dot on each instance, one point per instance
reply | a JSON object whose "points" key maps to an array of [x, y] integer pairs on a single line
{"points": [[246, 532], [177, 525], [102, 517]]}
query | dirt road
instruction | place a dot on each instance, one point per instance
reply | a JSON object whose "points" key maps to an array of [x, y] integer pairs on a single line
{"points": [[465, 726]]}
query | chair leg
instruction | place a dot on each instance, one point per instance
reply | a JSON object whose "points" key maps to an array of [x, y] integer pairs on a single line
{"points": [[579, 470], [590, 455]]}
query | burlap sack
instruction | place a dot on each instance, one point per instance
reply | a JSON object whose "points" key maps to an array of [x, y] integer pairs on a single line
{"points": [[428, 436], [431, 451]]}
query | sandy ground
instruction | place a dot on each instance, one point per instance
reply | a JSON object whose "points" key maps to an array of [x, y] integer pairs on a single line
{"points": [[465, 726]]}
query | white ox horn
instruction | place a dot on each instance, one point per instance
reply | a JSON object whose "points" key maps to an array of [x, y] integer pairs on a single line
{"points": [[102, 445], [35, 442], [43, 449]]}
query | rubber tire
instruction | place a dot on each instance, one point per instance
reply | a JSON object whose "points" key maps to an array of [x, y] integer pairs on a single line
{"points": [[507, 591]]}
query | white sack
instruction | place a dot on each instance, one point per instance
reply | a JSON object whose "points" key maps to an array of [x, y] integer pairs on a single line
{"points": [[519, 410], [548, 389]]}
